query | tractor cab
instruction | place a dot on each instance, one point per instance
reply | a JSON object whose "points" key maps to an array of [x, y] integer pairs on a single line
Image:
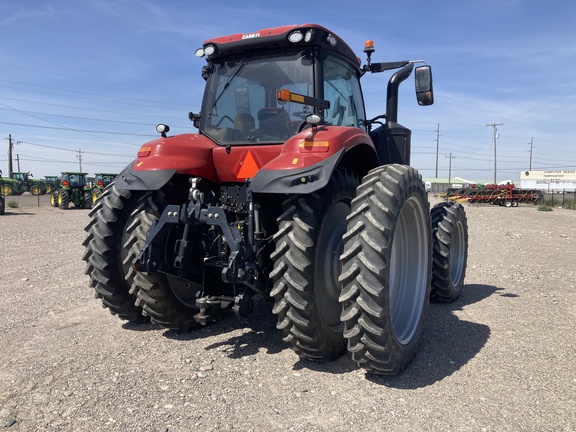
{"points": [[21, 176], [267, 86], [248, 91], [101, 180], [73, 180]]}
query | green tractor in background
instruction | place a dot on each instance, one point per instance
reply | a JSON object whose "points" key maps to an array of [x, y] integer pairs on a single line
{"points": [[20, 182], [50, 183], [73, 188], [101, 180]]}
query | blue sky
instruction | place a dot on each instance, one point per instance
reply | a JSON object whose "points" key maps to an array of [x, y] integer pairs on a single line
{"points": [[97, 76]]}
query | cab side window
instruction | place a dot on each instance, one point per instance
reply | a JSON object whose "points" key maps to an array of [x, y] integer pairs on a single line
{"points": [[342, 89]]}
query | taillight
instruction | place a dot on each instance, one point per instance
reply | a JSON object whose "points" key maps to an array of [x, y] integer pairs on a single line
{"points": [[144, 151], [312, 146]]}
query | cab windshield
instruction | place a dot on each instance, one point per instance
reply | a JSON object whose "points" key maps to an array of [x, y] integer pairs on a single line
{"points": [[241, 98], [77, 180]]}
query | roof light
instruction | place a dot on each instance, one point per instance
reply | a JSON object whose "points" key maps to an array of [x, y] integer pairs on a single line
{"points": [[295, 37], [199, 53], [209, 50], [308, 35], [332, 40]]}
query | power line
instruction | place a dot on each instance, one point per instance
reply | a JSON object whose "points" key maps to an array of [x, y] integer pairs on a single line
{"points": [[59, 126]]}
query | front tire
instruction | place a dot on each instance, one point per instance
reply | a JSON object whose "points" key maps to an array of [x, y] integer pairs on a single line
{"points": [[450, 238], [7, 189], [107, 256], [306, 268], [386, 269]]}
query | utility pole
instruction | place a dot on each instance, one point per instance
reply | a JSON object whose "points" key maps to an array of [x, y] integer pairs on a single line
{"points": [[18, 161], [10, 146], [495, 126], [450, 168], [79, 156], [437, 147], [531, 142]]}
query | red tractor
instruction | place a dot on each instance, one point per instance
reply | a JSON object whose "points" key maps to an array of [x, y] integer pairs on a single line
{"points": [[287, 191]]}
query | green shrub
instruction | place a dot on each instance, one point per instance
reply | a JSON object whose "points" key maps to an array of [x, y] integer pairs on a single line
{"points": [[12, 204], [544, 207]]}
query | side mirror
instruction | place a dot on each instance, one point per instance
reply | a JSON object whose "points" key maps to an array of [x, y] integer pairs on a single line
{"points": [[424, 89]]}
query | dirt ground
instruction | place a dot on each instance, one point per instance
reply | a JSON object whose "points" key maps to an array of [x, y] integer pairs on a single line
{"points": [[501, 358]]}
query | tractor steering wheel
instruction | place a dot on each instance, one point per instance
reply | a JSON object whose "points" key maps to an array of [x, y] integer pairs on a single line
{"points": [[226, 117]]}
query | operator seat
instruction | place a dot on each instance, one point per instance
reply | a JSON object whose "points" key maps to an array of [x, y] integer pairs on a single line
{"points": [[245, 124], [274, 123]]}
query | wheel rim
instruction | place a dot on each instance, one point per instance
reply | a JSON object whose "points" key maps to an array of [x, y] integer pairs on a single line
{"points": [[409, 264], [457, 254], [330, 247]]}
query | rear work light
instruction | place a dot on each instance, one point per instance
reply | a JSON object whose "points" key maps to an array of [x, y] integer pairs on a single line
{"points": [[298, 36]]}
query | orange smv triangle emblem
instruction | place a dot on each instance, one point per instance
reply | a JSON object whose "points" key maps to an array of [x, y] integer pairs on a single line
{"points": [[248, 168]]}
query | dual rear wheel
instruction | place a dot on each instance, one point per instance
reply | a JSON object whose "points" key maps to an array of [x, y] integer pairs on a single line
{"points": [[353, 266]]}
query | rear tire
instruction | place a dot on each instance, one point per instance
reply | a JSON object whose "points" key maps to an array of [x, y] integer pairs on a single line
{"points": [[96, 193], [306, 268], [64, 199], [386, 269], [54, 199], [107, 256], [87, 203], [154, 293], [450, 239]]}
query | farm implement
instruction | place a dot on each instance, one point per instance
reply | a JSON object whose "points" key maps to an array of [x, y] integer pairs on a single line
{"points": [[503, 195]]}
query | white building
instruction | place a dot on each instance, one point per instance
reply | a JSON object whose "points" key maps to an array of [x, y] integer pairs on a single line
{"points": [[548, 181]]}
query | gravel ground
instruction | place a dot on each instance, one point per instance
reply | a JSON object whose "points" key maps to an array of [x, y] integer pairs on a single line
{"points": [[501, 358]]}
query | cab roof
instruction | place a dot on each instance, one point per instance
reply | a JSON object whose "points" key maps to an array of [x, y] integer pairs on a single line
{"points": [[278, 38]]}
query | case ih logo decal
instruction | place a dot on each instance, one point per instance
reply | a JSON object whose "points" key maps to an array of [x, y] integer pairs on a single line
{"points": [[250, 35]]}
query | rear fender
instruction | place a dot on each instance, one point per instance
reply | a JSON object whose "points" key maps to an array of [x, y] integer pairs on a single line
{"points": [[308, 160], [185, 154], [130, 179], [159, 160]]}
